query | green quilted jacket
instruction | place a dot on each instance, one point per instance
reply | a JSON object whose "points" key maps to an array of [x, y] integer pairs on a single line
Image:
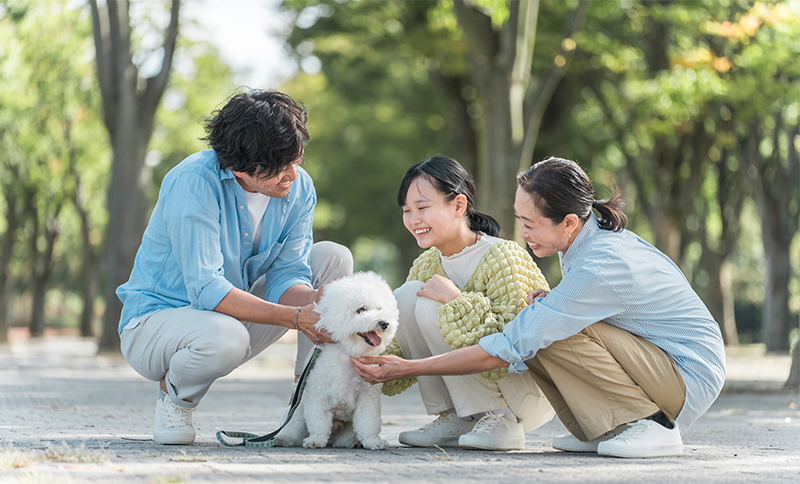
{"points": [[492, 297]]}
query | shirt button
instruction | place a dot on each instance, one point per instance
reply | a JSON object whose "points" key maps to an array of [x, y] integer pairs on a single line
{"points": [[241, 207], [246, 234]]}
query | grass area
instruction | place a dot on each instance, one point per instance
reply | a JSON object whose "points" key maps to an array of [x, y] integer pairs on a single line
{"points": [[11, 458]]}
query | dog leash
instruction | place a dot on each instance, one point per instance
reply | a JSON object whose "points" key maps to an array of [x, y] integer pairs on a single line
{"points": [[268, 440]]}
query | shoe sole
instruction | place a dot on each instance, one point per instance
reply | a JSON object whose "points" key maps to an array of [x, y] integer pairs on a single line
{"points": [[508, 446], [576, 450], [419, 443], [174, 440], [664, 451]]}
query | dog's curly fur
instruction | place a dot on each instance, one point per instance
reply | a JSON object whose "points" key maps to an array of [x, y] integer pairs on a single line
{"points": [[360, 313]]}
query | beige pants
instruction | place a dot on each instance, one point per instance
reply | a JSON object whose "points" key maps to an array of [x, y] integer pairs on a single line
{"points": [[419, 337], [604, 377], [192, 348]]}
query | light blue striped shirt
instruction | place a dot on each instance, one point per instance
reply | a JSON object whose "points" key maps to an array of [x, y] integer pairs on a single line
{"points": [[198, 244], [619, 278]]}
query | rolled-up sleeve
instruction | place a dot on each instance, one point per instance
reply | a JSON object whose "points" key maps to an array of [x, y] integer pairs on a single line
{"points": [[580, 300], [193, 225]]}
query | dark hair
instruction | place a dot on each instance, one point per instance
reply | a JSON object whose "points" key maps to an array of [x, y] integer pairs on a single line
{"points": [[560, 187], [258, 132], [450, 179]]}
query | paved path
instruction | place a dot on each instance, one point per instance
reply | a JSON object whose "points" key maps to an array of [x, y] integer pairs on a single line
{"points": [[69, 416]]}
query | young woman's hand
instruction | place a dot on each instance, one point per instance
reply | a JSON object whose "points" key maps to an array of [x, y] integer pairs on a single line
{"points": [[439, 289], [536, 293], [379, 369]]}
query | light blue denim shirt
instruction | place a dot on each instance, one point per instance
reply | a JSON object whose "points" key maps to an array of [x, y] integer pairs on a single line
{"points": [[198, 244], [619, 278]]}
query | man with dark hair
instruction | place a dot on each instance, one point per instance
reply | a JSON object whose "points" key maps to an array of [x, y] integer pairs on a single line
{"points": [[227, 263]]}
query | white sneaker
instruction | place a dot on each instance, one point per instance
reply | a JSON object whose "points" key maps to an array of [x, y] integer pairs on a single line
{"points": [[444, 432], [494, 432], [570, 443], [645, 438], [173, 423]]}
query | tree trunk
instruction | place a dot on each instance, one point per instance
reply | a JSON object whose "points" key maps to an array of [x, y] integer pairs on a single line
{"points": [[793, 382], [776, 185], [88, 296], [778, 319], [720, 296], [129, 113], [6, 253], [500, 70], [127, 206], [42, 270]]}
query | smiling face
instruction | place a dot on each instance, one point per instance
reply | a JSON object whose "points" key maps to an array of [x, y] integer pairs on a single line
{"points": [[544, 237], [431, 219], [277, 186]]}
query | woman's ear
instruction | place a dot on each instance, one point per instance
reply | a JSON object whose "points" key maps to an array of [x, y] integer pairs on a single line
{"points": [[571, 224], [461, 204]]}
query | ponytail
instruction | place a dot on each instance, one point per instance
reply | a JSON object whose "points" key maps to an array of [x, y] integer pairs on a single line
{"points": [[611, 215], [480, 222]]}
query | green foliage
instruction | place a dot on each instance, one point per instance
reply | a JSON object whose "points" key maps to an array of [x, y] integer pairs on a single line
{"points": [[54, 146], [373, 113], [54, 151], [199, 83]]}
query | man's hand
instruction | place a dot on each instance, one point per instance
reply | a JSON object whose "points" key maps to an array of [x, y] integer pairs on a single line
{"points": [[307, 318], [535, 294], [439, 289]]}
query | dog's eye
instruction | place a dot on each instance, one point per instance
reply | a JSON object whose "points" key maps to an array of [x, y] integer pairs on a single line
{"points": [[360, 310]]}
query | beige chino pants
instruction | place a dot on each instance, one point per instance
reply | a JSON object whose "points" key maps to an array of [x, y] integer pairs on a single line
{"points": [[192, 348], [604, 377]]}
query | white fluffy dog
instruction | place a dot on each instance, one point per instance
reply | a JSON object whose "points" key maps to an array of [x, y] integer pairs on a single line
{"points": [[360, 313]]}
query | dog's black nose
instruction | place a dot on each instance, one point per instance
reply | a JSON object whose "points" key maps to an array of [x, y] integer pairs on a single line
{"points": [[383, 325]]}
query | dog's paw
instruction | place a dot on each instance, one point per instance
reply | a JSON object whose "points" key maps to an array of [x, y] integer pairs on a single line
{"points": [[283, 442], [315, 442], [375, 443]]}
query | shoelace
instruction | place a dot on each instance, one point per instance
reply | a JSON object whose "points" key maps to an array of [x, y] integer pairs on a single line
{"points": [[487, 423], [634, 430], [440, 419], [175, 416]]}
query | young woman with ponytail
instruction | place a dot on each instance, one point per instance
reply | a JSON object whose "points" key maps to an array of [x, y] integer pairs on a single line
{"points": [[623, 348], [469, 283]]}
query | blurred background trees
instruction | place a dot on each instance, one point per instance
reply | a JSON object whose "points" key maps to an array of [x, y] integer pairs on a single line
{"points": [[691, 108]]}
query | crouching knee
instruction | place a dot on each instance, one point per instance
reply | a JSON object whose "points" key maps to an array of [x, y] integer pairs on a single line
{"points": [[224, 347]]}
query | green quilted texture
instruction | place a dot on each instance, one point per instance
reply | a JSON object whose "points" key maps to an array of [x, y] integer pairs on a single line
{"points": [[396, 387], [493, 295]]}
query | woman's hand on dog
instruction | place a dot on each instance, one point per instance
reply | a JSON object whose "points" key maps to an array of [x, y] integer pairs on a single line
{"points": [[306, 320], [379, 369]]}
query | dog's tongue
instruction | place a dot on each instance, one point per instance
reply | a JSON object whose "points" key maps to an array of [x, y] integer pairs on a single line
{"points": [[373, 338]]}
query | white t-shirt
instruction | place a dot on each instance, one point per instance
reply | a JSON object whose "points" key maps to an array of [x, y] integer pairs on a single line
{"points": [[256, 205], [459, 267]]}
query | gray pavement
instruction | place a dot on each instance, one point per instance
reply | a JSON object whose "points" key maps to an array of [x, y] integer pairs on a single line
{"points": [[67, 415]]}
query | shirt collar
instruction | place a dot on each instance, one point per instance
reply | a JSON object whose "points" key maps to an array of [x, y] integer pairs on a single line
{"points": [[226, 174], [590, 228]]}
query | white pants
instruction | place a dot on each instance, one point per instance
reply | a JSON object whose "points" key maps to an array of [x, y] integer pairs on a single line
{"points": [[191, 348], [419, 337]]}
